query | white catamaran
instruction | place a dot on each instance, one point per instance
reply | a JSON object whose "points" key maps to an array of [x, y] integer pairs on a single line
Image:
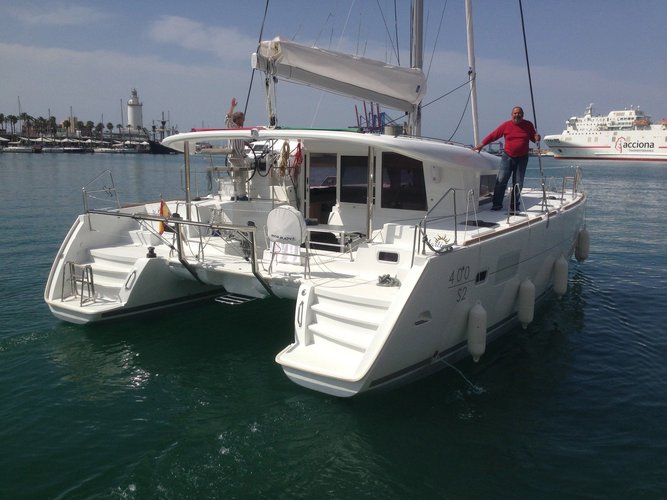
{"points": [[396, 266]]}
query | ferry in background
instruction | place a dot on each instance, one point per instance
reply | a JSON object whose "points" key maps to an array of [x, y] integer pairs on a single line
{"points": [[627, 135]]}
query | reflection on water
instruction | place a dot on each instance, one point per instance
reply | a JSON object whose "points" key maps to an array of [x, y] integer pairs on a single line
{"points": [[100, 370]]}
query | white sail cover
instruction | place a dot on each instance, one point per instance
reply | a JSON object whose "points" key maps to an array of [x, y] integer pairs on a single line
{"points": [[392, 86]]}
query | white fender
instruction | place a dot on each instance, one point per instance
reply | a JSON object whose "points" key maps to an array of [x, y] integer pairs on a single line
{"points": [[560, 276], [477, 331], [583, 245], [526, 309]]}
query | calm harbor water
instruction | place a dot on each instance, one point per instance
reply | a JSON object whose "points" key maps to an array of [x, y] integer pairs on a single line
{"points": [[190, 404]]}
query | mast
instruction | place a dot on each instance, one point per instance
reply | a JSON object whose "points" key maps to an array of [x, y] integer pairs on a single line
{"points": [[416, 56], [472, 74]]}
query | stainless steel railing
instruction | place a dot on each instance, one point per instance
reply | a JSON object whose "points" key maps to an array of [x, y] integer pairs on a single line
{"points": [[94, 194], [244, 233]]}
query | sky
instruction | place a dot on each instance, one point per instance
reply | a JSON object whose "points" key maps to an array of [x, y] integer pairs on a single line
{"points": [[188, 59]]}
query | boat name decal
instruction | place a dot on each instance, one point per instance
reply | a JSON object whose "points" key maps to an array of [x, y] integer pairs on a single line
{"points": [[459, 278], [622, 145]]}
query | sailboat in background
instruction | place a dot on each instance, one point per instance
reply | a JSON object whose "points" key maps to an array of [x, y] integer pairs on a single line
{"points": [[397, 265]]}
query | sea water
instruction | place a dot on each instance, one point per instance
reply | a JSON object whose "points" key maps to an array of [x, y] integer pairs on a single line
{"points": [[191, 404]]}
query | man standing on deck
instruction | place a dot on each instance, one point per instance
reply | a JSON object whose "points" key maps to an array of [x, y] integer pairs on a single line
{"points": [[237, 158], [517, 133]]}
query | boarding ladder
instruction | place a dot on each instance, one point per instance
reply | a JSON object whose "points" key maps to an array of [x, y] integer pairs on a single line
{"points": [[78, 274]]}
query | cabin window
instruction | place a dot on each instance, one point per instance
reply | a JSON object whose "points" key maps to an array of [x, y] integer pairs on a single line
{"points": [[322, 169], [353, 179], [322, 179], [487, 183], [402, 182]]}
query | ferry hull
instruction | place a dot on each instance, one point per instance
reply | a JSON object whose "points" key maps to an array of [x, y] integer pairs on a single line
{"points": [[571, 151]]}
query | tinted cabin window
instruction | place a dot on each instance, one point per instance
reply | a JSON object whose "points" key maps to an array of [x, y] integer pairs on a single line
{"points": [[322, 185], [353, 179], [402, 182], [322, 169]]}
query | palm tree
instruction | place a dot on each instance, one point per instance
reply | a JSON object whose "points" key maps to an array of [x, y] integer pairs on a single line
{"points": [[26, 123], [13, 119], [110, 129], [52, 125], [89, 126], [66, 126], [2, 120], [40, 125]]}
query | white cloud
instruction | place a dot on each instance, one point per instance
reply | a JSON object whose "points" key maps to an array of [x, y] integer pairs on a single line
{"points": [[227, 43]]}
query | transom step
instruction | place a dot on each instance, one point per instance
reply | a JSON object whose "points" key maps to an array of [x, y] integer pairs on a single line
{"points": [[234, 299]]}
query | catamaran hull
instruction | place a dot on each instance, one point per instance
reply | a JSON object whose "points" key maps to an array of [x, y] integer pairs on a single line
{"points": [[427, 324], [78, 317], [123, 279]]}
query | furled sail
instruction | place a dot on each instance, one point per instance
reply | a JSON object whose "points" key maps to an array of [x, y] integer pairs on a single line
{"points": [[393, 86]]}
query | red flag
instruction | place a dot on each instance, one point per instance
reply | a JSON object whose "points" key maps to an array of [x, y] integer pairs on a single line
{"points": [[164, 212]]}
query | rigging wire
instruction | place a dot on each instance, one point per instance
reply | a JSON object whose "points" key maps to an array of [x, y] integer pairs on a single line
{"points": [[338, 47], [347, 21], [467, 82], [359, 35], [435, 43], [464, 84], [437, 35], [252, 75], [532, 100], [465, 109], [317, 39], [384, 20], [396, 31]]}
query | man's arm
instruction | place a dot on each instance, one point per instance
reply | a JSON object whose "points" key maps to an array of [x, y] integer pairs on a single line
{"points": [[496, 134], [232, 105]]}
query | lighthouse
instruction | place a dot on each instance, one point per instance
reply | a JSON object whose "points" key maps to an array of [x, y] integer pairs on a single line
{"points": [[134, 116]]}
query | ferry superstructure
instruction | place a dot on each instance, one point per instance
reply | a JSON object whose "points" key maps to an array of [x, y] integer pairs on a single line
{"points": [[627, 135]]}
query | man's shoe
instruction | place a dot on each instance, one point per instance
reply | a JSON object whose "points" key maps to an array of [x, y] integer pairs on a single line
{"points": [[495, 209]]}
